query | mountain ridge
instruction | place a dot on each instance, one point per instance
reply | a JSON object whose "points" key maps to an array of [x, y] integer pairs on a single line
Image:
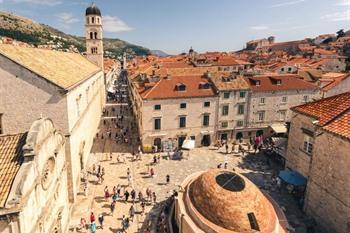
{"points": [[41, 35]]}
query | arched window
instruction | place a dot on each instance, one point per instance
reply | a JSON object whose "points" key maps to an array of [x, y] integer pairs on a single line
{"points": [[94, 50], [91, 35], [95, 35], [98, 20], [93, 19]]}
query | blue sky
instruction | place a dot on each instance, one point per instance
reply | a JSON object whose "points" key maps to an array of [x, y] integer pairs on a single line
{"points": [[207, 25]]}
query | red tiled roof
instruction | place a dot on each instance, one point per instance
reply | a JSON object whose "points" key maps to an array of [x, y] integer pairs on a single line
{"points": [[11, 158], [287, 82], [166, 88], [333, 113]]}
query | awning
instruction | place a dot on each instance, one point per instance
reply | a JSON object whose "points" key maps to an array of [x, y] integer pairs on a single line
{"points": [[188, 144], [292, 177], [206, 132], [279, 128], [157, 135]]}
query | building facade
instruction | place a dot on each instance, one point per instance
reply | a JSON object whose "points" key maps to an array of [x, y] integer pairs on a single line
{"points": [[65, 87], [318, 148], [34, 191]]}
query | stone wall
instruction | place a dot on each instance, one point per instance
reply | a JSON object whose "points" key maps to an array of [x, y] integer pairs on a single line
{"points": [[327, 198], [40, 192], [296, 158], [25, 97], [83, 126]]}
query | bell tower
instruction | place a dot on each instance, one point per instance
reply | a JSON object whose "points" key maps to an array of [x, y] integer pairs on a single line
{"points": [[93, 35]]}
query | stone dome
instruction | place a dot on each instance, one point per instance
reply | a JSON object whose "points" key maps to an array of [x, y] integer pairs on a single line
{"points": [[93, 10], [232, 202]]}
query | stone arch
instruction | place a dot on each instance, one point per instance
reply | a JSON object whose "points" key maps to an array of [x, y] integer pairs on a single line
{"points": [[95, 35], [91, 35]]}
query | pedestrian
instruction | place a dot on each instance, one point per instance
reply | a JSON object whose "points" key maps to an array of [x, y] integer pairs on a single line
{"points": [[132, 213], [128, 172], [101, 220], [85, 188], [142, 207], [93, 227], [92, 217], [129, 180], [114, 190], [147, 230], [133, 195], [99, 169], [126, 194], [93, 169], [107, 195], [219, 165], [154, 159], [225, 165], [151, 172], [115, 197], [154, 197], [83, 223], [226, 146], [140, 196], [167, 179], [112, 206]]}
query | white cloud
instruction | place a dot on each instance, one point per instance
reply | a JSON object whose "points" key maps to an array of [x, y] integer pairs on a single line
{"points": [[259, 28], [41, 2], [288, 3], [337, 16], [114, 24], [67, 18], [343, 3]]}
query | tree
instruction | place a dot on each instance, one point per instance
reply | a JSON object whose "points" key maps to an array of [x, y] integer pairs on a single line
{"points": [[340, 33]]}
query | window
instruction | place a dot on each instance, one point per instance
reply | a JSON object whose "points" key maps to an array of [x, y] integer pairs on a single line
{"points": [[289, 69], [240, 123], [95, 34], [242, 94], [94, 50], [98, 20], [305, 98], [157, 123], [206, 104], [226, 95], [93, 19], [282, 69], [262, 101], [1, 127], [91, 35], [261, 116], [78, 107], [284, 99], [282, 115], [180, 87], [257, 83], [278, 82], [241, 109], [206, 120], [183, 105], [224, 124], [157, 107], [225, 109], [182, 121], [308, 144]]}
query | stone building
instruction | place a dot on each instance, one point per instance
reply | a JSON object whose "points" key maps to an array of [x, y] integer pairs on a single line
{"points": [[173, 108], [94, 35], [318, 148], [33, 178], [271, 98], [226, 202], [66, 87], [232, 107]]}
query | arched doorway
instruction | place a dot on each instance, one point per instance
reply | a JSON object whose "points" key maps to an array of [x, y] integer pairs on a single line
{"points": [[239, 135], [259, 133], [158, 143]]}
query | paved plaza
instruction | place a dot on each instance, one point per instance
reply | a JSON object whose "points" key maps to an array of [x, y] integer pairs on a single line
{"points": [[197, 160]]}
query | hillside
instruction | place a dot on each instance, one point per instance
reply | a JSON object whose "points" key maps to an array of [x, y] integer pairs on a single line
{"points": [[31, 32]]}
